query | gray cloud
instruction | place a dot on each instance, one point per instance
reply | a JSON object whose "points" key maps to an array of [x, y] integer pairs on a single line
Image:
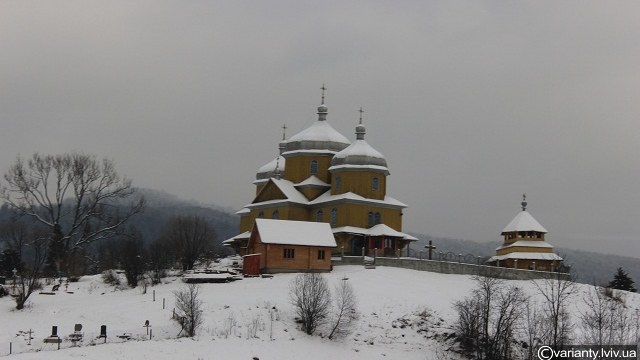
{"points": [[473, 103]]}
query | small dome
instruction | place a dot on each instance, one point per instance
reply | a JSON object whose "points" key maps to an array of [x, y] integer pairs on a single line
{"points": [[359, 155], [268, 170]]}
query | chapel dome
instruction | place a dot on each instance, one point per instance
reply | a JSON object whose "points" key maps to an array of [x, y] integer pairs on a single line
{"points": [[320, 136]]}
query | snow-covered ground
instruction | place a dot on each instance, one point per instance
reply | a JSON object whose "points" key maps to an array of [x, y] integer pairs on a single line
{"points": [[401, 311]]}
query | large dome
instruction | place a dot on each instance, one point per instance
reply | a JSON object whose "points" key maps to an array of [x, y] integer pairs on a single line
{"points": [[320, 136], [359, 155]]}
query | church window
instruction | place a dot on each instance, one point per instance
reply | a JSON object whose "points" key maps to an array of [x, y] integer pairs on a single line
{"points": [[319, 216], [289, 253], [376, 218], [275, 214], [338, 183], [261, 214], [314, 167], [375, 184], [334, 216], [370, 219], [320, 254]]}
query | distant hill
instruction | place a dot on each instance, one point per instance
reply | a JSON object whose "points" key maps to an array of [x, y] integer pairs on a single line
{"points": [[587, 267], [162, 206]]}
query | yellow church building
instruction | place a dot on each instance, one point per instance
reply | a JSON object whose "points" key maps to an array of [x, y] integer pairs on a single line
{"points": [[524, 245], [321, 176]]}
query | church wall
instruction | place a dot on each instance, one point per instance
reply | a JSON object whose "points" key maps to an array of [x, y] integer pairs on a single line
{"points": [[285, 212], [299, 167], [360, 182], [349, 214]]}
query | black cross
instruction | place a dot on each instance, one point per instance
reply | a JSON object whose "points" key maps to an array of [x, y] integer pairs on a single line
{"points": [[431, 247]]}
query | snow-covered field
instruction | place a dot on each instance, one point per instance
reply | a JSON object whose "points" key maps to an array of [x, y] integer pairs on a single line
{"points": [[401, 311]]}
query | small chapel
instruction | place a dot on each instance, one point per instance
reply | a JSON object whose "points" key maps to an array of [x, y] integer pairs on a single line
{"points": [[320, 176], [524, 245]]}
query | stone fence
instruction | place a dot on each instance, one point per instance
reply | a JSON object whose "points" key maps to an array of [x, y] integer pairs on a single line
{"points": [[448, 267]]}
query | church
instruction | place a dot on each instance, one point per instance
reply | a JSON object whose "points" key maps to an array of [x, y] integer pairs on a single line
{"points": [[321, 176]]}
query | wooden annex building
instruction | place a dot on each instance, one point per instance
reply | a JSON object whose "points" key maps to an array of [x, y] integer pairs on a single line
{"points": [[284, 245], [321, 176]]}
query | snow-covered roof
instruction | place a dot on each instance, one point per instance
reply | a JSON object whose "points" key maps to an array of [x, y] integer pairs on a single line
{"points": [[289, 232], [245, 235], [349, 196], [377, 230], [359, 154], [312, 181], [527, 256], [527, 243], [524, 222], [268, 170], [319, 136], [243, 211]]}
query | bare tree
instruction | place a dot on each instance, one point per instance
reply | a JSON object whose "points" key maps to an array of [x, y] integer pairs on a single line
{"points": [[131, 256], [28, 279], [189, 308], [190, 237], [74, 196], [345, 310], [532, 328], [310, 295], [487, 320], [557, 293]]}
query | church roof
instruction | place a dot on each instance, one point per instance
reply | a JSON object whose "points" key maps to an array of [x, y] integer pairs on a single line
{"points": [[349, 196], [319, 136], [524, 222], [359, 155], [268, 170], [289, 232], [312, 181], [377, 230]]}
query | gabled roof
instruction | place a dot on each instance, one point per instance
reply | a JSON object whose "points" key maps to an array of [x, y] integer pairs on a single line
{"points": [[312, 181], [327, 197], [524, 222], [287, 189], [289, 232]]}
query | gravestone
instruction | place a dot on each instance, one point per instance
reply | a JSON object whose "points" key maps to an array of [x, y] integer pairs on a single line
{"points": [[103, 333]]}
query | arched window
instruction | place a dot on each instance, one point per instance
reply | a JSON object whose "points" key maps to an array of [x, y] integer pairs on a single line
{"points": [[376, 219], [370, 219], [275, 214], [334, 216], [261, 214], [314, 167], [375, 184], [338, 183], [319, 216]]}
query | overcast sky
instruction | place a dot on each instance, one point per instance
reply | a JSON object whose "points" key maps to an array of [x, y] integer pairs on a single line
{"points": [[472, 102]]}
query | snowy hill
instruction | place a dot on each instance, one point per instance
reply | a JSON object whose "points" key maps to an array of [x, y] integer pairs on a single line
{"points": [[405, 314]]}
